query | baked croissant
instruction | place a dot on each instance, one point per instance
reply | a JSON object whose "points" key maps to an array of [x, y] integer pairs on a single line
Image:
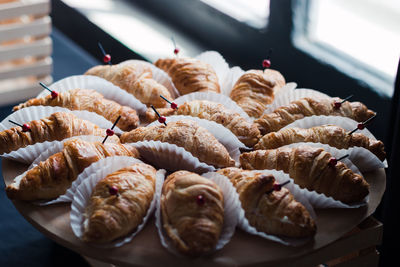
{"points": [[310, 168], [90, 100], [136, 79], [58, 126], [109, 214], [190, 75], [52, 177], [192, 212], [269, 211], [187, 134], [255, 89], [306, 107], [246, 132], [326, 134]]}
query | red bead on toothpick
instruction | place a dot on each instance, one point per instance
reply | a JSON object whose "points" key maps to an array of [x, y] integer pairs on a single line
{"points": [[106, 57], [161, 119], [110, 132], [266, 63], [173, 105], [361, 125], [337, 105], [277, 187], [25, 127], [113, 190], [200, 200], [333, 161], [53, 93], [176, 49]]}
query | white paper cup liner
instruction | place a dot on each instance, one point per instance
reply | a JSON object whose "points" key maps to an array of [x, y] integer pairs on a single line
{"points": [[90, 171], [39, 112], [159, 76], [286, 89], [218, 63], [222, 134], [213, 97], [230, 80], [231, 208], [54, 147], [170, 157], [104, 87], [284, 98], [301, 195], [84, 192]]}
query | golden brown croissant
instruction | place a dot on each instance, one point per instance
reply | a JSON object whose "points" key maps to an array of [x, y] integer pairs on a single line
{"points": [[246, 132], [136, 79], [192, 212], [90, 100], [187, 134], [269, 211], [306, 107], [57, 126], [255, 89], [326, 134], [119, 203], [310, 168], [190, 75], [52, 177]]}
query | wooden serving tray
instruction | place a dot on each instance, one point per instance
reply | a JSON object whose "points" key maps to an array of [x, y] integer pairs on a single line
{"points": [[243, 250]]}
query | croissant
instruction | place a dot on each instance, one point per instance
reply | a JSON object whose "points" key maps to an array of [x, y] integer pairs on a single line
{"points": [[52, 177], [306, 107], [255, 89], [310, 168], [326, 134], [187, 134], [83, 99], [136, 79], [192, 212], [190, 75], [57, 126], [110, 215], [246, 132], [269, 211]]}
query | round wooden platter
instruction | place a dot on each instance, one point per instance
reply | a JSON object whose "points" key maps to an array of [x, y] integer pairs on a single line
{"points": [[244, 249]]}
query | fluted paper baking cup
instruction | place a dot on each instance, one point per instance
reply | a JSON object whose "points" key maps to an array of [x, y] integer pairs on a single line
{"points": [[39, 112], [218, 63], [95, 167], [364, 159], [222, 134], [299, 194], [231, 207], [285, 98], [344, 122], [213, 97], [84, 192], [286, 89], [230, 80], [104, 87], [170, 157], [159, 76], [54, 147]]}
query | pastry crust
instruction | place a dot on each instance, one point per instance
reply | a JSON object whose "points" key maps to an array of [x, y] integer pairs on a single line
{"points": [[52, 177], [245, 131], [136, 79], [310, 168], [58, 126], [107, 216], [326, 134], [90, 100], [190, 75], [276, 212], [255, 89], [187, 134], [193, 227], [306, 107]]}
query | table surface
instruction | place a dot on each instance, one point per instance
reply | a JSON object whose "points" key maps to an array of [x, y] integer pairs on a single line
{"points": [[243, 249]]}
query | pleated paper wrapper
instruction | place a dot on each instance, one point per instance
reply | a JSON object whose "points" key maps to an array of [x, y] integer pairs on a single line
{"points": [[29, 153], [104, 87], [222, 134], [159, 76], [288, 96], [364, 159], [84, 192], [231, 208], [300, 195]]}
